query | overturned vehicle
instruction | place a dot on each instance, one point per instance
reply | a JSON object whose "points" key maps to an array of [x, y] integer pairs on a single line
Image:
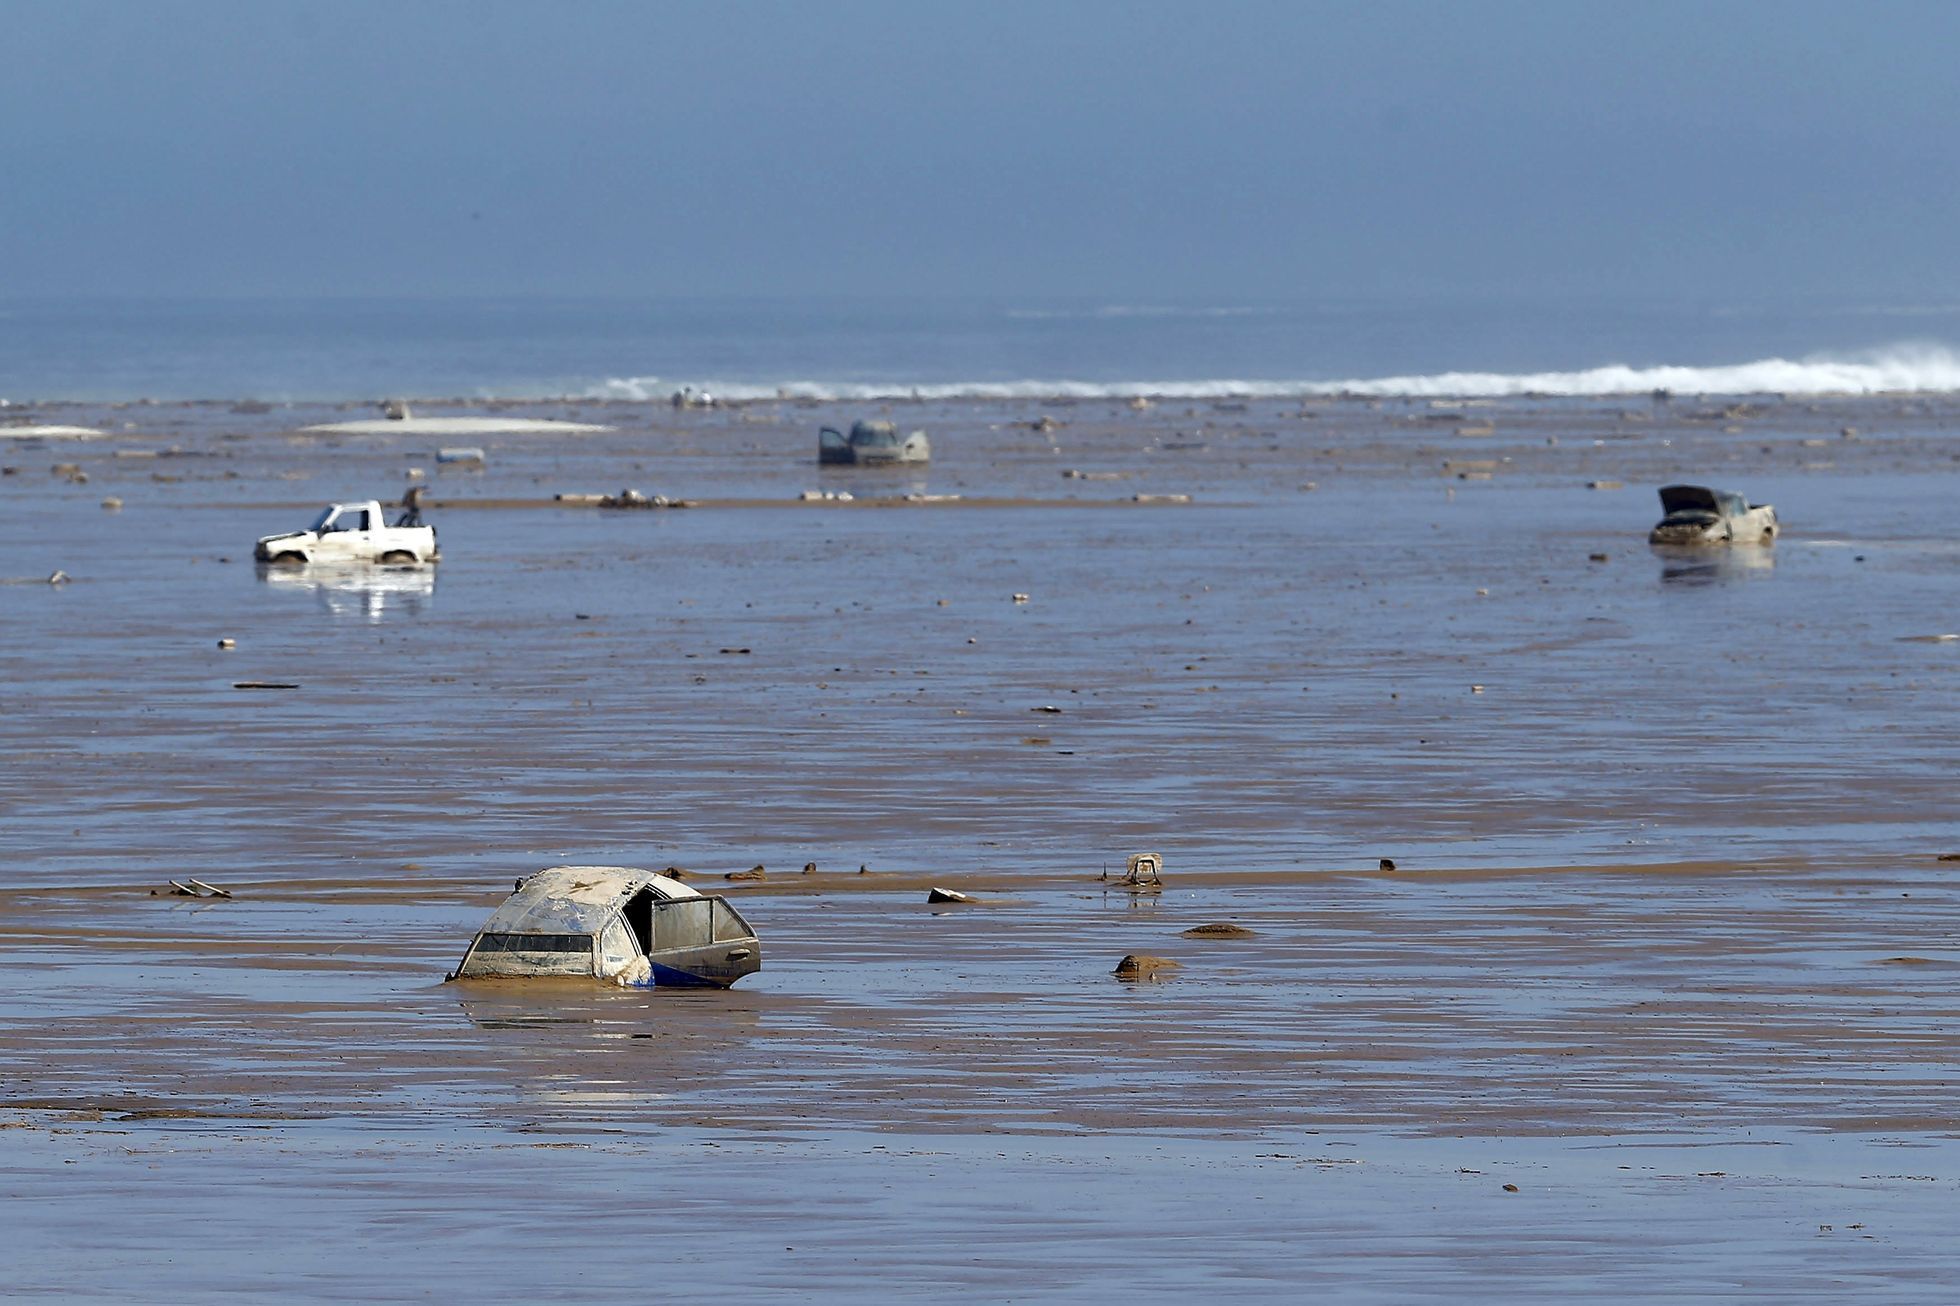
{"points": [[634, 928], [1699, 515], [872, 444]]}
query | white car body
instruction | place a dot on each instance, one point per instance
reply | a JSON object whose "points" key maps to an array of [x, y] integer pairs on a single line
{"points": [[351, 532], [1697, 515]]}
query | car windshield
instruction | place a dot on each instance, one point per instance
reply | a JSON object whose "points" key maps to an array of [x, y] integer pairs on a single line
{"points": [[320, 522], [875, 434]]}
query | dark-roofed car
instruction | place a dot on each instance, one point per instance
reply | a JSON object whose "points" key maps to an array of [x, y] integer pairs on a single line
{"points": [[1696, 514], [872, 444], [634, 928]]}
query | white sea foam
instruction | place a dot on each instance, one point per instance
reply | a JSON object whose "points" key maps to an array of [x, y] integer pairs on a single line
{"points": [[1904, 368]]}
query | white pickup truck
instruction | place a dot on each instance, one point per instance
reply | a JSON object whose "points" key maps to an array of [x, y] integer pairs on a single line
{"points": [[351, 532]]}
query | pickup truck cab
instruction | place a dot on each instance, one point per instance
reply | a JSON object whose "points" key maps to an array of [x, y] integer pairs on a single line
{"points": [[351, 532]]}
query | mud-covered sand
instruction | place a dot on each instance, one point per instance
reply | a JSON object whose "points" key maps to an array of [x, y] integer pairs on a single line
{"points": [[1669, 946]]}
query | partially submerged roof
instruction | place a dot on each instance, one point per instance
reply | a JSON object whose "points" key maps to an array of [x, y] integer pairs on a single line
{"points": [[577, 899]]}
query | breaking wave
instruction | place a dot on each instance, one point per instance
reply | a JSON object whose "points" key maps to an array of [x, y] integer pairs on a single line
{"points": [[1893, 369]]}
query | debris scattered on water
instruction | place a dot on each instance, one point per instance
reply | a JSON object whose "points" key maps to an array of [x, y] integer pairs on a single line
{"points": [[227, 643], [755, 872], [936, 894], [1021, 598], [263, 684], [194, 889], [631, 498], [1049, 708], [1219, 930], [1388, 863], [112, 503], [1138, 966]]}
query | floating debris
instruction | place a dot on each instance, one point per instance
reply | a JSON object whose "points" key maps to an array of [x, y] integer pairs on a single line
{"points": [[1219, 930], [1139, 966], [194, 889], [948, 895]]}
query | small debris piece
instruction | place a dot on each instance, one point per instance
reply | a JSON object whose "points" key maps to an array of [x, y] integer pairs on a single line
{"points": [[676, 872], [1950, 857], [1606, 485], [1388, 863], [1020, 598], [1219, 930], [461, 456], [112, 503], [196, 889], [1597, 557], [1476, 689], [582, 500], [1510, 1188], [734, 650], [1161, 498], [58, 577], [1140, 965], [1049, 708], [753, 873], [809, 868], [631, 498], [263, 684], [946, 895], [227, 643]]}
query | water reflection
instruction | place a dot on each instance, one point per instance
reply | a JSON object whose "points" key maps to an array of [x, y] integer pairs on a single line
{"points": [[880, 481], [1713, 566], [357, 589]]}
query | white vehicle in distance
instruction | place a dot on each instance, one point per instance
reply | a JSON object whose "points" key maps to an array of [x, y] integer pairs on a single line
{"points": [[1697, 515], [351, 532]]}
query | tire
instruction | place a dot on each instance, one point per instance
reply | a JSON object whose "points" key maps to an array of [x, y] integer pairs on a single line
{"points": [[397, 557], [289, 559]]}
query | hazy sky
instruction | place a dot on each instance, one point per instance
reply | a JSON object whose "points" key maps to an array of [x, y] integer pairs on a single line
{"points": [[1197, 150]]}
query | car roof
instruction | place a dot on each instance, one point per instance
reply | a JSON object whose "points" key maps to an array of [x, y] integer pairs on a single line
{"points": [[577, 899]]}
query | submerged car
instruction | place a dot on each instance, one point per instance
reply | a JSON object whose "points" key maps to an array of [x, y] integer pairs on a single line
{"points": [[872, 444], [351, 532], [1699, 515], [635, 928]]}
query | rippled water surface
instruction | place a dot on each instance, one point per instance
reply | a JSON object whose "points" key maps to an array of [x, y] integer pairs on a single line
{"points": [[1668, 830]]}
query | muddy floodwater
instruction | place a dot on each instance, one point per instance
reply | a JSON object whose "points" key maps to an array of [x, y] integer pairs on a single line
{"points": [[1660, 1000]]}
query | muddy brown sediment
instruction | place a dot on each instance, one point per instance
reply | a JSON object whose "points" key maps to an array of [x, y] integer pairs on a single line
{"points": [[1673, 874]]}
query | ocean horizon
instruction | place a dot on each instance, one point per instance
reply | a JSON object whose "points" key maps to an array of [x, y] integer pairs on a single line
{"points": [[358, 349]]}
